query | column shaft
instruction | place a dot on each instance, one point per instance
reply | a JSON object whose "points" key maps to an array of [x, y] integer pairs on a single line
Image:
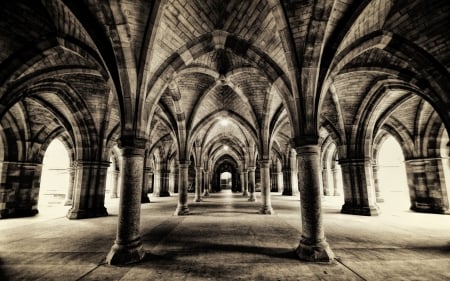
{"points": [[69, 195], [127, 247], [89, 190], [206, 184], [359, 192], [251, 184], [198, 184], [182, 208], [266, 200], [244, 182], [313, 245]]}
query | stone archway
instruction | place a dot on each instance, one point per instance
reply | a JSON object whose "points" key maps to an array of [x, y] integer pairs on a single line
{"points": [[226, 164]]}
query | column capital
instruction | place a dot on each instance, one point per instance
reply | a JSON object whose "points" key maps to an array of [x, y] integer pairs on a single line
{"points": [[132, 141], [184, 164], [305, 140], [251, 169], [307, 149], [264, 163], [88, 163]]}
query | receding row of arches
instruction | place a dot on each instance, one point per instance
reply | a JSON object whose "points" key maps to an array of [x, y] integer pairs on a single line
{"points": [[390, 177]]}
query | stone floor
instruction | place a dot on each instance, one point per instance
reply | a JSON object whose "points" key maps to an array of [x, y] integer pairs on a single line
{"points": [[225, 239]]}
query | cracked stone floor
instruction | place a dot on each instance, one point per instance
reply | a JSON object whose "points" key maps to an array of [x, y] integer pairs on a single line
{"points": [[225, 239]]}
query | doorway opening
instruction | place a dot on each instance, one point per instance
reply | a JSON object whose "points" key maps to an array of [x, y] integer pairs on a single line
{"points": [[392, 176], [226, 180], [55, 177]]}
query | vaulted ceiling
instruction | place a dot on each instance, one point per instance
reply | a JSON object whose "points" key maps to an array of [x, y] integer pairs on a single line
{"points": [[222, 74]]}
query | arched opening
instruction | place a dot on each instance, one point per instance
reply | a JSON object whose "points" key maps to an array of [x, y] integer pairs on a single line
{"points": [[226, 180], [55, 177], [392, 177]]}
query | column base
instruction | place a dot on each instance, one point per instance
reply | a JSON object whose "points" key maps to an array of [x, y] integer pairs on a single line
{"points": [[266, 210], [317, 252], [205, 194], [198, 199], [18, 213], [74, 214], [182, 211], [121, 254], [287, 193], [252, 198], [360, 210], [245, 193], [145, 199], [428, 208], [163, 194]]}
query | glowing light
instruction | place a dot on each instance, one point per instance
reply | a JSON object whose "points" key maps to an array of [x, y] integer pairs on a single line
{"points": [[224, 122], [225, 147]]}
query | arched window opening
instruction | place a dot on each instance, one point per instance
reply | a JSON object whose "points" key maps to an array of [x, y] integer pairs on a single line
{"points": [[226, 180], [55, 177], [392, 176]]}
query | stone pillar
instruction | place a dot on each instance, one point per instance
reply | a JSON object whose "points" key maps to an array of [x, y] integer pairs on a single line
{"points": [[198, 184], [244, 182], [89, 190], [157, 182], [359, 192], [206, 184], [69, 195], [19, 189], [336, 180], [164, 183], [115, 184], [251, 184], [313, 245], [182, 208], [287, 181], [266, 201], [427, 188], [376, 183], [273, 177], [176, 176], [145, 185], [326, 187], [127, 247]]}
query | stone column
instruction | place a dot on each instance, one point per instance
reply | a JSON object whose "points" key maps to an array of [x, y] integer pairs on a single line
{"points": [[182, 208], [176, 177], [427, 188], [145, 183], [359, 192], [157, 182], [244, 182], [89, 190], [336, 180], [313, 245], [206, 184], [376, 182], [127, 247], [115, 184], [69, 195], [266, 201], [164, 185], [273, 174], [251, 183], [287, 182], [326, 186], [198, 184]]}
